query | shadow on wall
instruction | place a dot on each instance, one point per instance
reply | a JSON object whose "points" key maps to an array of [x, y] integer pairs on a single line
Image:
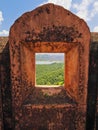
{"points": [[6, 88], [92, 88]]}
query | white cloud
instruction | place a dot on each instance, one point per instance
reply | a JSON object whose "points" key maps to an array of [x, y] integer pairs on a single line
{"points": [[96, 6], [1, 17], [95, 9], [65, 3], [4, 33], [95, 29], [87, 9]]}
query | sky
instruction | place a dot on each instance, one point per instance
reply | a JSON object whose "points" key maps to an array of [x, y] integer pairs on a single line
{"points": [[13, 9]]}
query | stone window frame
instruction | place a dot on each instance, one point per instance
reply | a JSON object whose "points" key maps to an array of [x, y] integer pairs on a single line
{"points": [[56, 47]]}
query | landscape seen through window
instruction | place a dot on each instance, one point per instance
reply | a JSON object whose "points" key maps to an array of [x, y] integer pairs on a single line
{"points": [[50, 69]]}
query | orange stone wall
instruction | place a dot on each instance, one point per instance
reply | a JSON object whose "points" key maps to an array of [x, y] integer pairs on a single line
{"points": [[49, 24], [61, 114]]}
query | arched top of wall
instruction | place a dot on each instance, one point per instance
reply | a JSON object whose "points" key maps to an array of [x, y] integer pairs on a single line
{"points": [[48, 27], [49, 23]]}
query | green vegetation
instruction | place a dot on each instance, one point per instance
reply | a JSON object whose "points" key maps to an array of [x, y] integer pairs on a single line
{"points": [[50, 74]]}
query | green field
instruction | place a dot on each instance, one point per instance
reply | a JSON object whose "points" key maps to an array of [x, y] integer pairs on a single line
{"points": [[50, 74]]}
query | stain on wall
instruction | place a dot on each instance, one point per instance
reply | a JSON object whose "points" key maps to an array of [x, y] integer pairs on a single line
{"points": [[51, 24], [28, 30]]}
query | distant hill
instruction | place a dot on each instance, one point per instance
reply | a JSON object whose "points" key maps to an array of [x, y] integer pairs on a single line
{"points": [[50, 57]]}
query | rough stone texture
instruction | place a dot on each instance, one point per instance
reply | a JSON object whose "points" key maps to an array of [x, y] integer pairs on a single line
{"points": [[93, 87], [91, 106], [6, 87], [50, 117], [92, 109], [59, 29], [49, 24], [1, 111], [3, 42], [91, 96], [71, 51]]}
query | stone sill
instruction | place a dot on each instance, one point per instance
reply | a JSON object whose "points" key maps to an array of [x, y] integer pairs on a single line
{"points": [[56, 96]]}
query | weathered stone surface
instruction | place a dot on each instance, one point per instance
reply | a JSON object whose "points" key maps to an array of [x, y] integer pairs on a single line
{"points": [[92, 109], [91, 106], [50, 117], [5, 83], [42, 30], [83, 113], [1, 111]]}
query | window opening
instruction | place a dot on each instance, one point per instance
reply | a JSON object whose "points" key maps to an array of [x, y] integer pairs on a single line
{"points": [[49, 69]]}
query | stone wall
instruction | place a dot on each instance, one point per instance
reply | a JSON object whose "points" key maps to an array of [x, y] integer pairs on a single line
{"points": [[49, 28], [92, 111], [19, 110], [5, 86], [5, 117], [1, 111]]}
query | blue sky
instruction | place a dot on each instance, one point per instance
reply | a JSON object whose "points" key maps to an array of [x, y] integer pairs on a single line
{"points": [[11, 10]]}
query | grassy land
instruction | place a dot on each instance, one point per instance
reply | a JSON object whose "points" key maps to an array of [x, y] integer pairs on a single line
{"points": [[51, 74]]}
